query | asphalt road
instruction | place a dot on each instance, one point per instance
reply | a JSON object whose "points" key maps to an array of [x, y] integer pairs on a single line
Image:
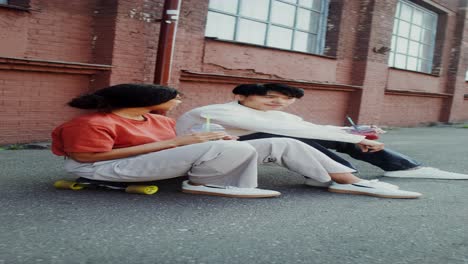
{"points": [[40, 224]]}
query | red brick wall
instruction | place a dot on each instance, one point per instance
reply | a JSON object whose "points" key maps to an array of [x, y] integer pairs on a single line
{"points": [[195, 53], [32, 104], [346, 37], [14, 41], [414, 81], [354, 30], [136, 40], [60, 30], [322, 107], [190, 39], [196, 94], [409, 111], [245, 60], [124, 33], [463, 114]]}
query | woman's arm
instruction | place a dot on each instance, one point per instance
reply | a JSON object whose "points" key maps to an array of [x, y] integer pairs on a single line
{"points": [[147, 148]]}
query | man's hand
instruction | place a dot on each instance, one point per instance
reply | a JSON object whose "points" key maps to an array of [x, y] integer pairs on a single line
{"points": [[378, 130], [229, 137], [370, 145]]}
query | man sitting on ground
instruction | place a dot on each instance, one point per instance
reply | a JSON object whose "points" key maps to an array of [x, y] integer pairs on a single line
{"points": [[257, 114]]}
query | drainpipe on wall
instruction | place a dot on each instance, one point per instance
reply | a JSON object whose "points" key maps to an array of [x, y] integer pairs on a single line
{"points": [[166, 41]]}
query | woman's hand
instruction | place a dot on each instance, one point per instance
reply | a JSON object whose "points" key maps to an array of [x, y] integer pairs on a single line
{"points": [[199, 138]]}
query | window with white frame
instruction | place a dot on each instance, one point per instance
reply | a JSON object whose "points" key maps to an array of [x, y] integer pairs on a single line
{"points": [[287, 24], [413, 37]]}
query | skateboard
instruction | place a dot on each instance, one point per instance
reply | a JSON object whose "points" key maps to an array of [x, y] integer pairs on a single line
{"points": [[129, 187]]}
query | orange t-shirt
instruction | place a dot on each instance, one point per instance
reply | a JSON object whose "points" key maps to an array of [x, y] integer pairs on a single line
{"points": [[102, 132]]}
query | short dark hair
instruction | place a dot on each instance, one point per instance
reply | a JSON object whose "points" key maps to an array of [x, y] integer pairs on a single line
{"points": [[125, 95], [263, 89]]}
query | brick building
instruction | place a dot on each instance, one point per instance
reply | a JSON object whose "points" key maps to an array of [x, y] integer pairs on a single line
{"points": [[387, 62]]}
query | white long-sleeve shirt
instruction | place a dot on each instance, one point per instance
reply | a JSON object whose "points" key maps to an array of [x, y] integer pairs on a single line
{"points": [[239, 120]]}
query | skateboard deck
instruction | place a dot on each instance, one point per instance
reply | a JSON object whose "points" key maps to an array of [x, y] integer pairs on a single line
{"points": [[129, 187]]}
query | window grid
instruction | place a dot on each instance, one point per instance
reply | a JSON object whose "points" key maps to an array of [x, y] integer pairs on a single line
{"points": [[320, 29], [401, 42]]}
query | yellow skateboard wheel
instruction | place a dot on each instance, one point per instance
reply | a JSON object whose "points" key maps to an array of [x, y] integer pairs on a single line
{"points": [[142, 189], [68, 185]]}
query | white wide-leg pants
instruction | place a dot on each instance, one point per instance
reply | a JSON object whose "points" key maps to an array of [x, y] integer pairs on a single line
{"points": [[226, 163]]}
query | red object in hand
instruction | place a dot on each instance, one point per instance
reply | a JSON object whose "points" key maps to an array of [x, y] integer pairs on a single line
{"points": [[369, 133]]}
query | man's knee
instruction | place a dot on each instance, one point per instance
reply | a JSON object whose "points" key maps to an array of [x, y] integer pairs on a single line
{"points": [[287, 142], [240, 148]]}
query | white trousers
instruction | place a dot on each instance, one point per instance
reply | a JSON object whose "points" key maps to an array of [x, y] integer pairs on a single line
{"points": [[222, 162]]}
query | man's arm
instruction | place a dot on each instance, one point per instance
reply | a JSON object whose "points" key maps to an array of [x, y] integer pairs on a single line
{"points": [[275, 123]]}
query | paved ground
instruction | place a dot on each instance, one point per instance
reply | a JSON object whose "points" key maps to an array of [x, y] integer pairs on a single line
{"points": [[40, 224]]}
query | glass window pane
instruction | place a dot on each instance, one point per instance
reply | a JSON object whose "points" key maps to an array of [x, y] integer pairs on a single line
{"points": [[391, 59], [429, 21], [424, 52], [312, 4], [412, 64], [269, 22], [279, 37], [405, 12], [403, 29], [307, 20], [220, 26], [283, 14], [255, 9], [304, 42], [306, 3], [393, 44], [251, 32], [413, 49], [400, 61], [395, 26], [425, 66], [4, 2], [397, 12], [413, 37], [402, 45], [415, 33], [223, 5], [317, 5], [426, 36], [417, 17]]}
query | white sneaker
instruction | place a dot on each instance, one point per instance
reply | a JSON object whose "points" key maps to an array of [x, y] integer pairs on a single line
{"points": [[315, 183], [372, 189], [379, 184], [426, 173], [228, 191]]}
